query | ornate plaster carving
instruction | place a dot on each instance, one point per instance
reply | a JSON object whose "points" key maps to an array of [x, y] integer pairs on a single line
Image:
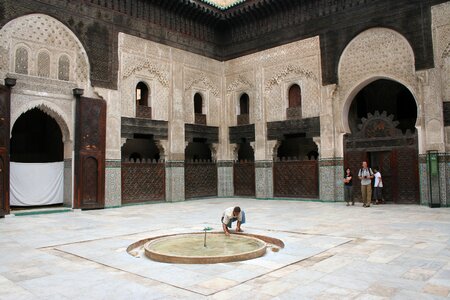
{"points": [[41, 32], [239, 83], [50, 109], [289, 69], [134, 65], [202, 78]]}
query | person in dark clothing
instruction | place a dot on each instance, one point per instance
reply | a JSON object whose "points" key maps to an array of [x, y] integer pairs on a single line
{"points": [[348, 187]]}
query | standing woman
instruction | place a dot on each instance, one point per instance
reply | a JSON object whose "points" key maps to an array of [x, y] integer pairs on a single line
{"points": [[348, 186]]}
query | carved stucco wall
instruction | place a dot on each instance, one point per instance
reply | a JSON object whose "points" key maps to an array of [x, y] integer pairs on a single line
{"points": [[441, 43], [209, 86], [383, 53], [46, 40], [173, 76], [266, 77], [141, 60]]}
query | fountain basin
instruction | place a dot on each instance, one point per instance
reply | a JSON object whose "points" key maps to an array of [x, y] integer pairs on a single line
{"points": [[189, 248]]}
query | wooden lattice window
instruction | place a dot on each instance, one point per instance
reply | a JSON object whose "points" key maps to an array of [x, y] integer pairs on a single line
{"points": [[43, 63], [21, 63], [64, 68]]}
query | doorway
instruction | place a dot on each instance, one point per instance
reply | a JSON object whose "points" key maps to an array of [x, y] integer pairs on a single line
{"points": [[36, 161], [382, 120]]}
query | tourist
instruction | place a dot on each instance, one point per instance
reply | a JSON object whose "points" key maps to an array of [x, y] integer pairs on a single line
{"points": [[230, 215], [348, 187], [378, 187], [365, 174]]}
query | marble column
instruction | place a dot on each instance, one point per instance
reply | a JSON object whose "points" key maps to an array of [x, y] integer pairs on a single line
{"points": [[225, 183], [113, 181], [68, 183], [264, 179], [175, 181], [330, 179]]}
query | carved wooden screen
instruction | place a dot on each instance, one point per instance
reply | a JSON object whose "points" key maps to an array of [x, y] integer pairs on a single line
{"points": [[143, 181], [90, 153], [5, 94], [299, 179], [244, 178], [200, 179]]}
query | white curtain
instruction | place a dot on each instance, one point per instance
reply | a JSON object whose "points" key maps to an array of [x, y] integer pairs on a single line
{"points": [[36, 183]]}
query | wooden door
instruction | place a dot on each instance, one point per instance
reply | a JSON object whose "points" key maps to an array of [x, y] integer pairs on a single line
{"points": [[406, 173], [5, 101], [90, 142]]}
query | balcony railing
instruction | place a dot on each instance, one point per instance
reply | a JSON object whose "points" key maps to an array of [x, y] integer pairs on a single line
{"points": [[143, 112], [243, 119], [294, 113], [200, 119]]}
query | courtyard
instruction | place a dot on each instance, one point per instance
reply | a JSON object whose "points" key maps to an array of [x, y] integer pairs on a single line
{"points": [[331, 252]]}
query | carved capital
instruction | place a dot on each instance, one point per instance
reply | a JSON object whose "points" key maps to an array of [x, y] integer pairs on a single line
{"points": [[272, 149]]}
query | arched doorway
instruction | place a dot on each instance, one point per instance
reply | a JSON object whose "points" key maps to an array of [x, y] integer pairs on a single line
{"points": [[37, 161], [382, 118]]}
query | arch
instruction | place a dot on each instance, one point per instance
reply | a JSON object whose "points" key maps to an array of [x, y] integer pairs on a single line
{"points": [[36, 138], [381, 116], [21, 60], [354, 90], [361, 35], [43, 63], [41, 30], [198, 103], [50, 109], [142, 93], [375, 53]]}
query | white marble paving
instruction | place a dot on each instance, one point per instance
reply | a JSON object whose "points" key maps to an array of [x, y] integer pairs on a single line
{"points": [[332, 252]]}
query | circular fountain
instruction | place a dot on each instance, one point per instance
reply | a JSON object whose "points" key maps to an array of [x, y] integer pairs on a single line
{"points": [[190, 248], [202, 248]]}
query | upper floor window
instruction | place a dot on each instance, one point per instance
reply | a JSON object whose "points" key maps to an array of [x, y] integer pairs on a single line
{"points": [[198, 104], [142, 93], [64, 68], [244, 104], [294, 111], [295, 96], [43, 64], [21, 64]]}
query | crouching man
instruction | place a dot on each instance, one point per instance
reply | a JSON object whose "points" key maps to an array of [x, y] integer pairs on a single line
{"points": [[230, 215]]}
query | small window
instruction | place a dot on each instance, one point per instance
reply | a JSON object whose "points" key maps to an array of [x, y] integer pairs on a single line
{"points": [[142, 93], [64, 68], [295, 96], [244, 104], [198, 104], [21, 65], [43, 68]]}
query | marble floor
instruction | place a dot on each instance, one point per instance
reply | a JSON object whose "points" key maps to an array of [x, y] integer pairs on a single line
{"points": [[331, 252]]}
